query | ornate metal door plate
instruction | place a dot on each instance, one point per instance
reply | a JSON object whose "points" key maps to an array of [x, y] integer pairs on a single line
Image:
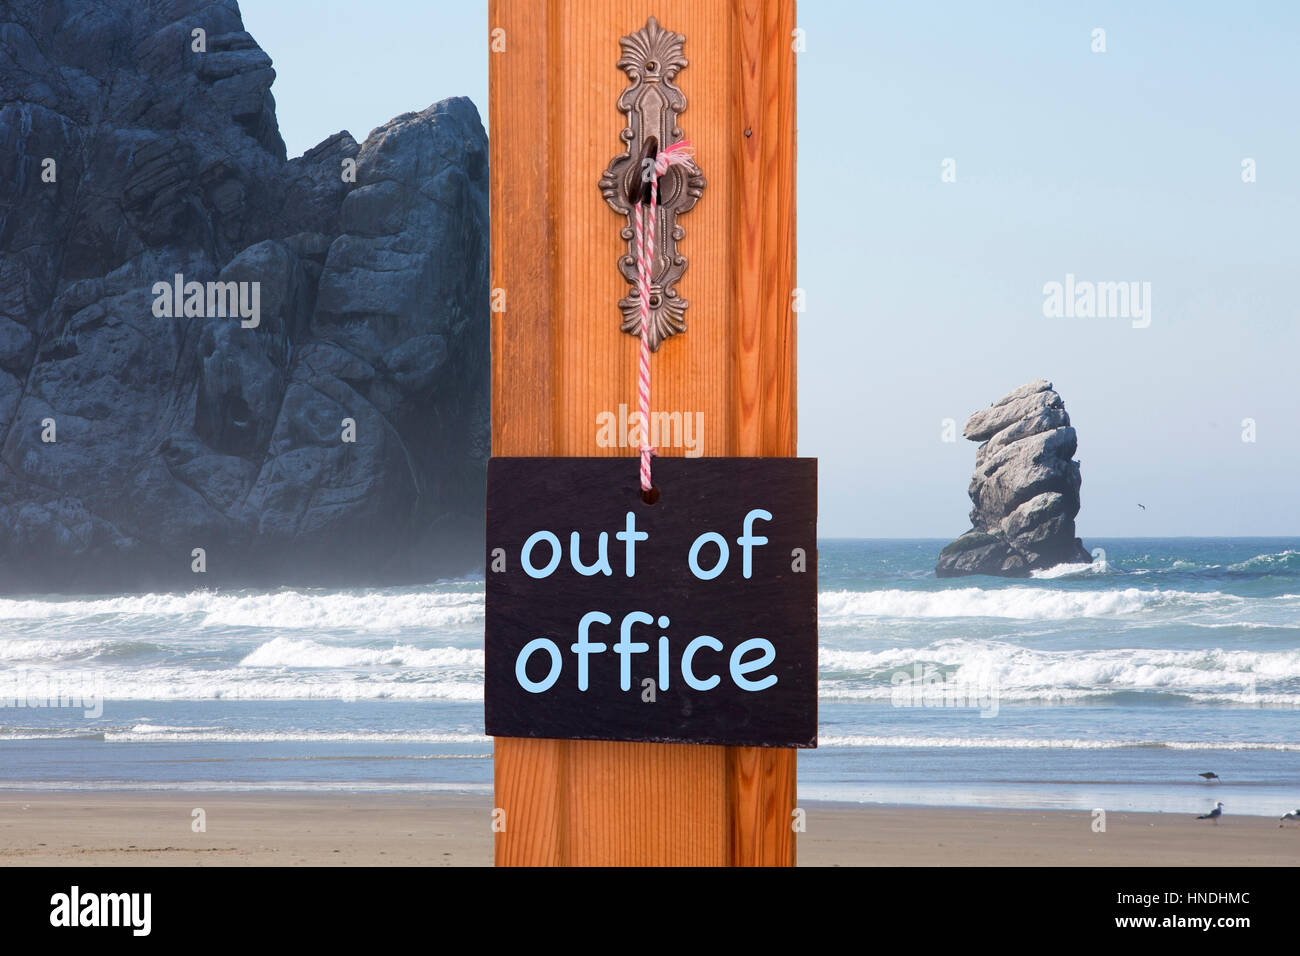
{"points": [[652, 58]]}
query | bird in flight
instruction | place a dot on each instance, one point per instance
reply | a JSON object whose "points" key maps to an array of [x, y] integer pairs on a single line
{"points": [[1142, 506], [1293, 815], [1209, 775], [1213, 814]]}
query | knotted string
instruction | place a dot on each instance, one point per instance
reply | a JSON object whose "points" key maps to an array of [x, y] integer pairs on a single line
{"points": [[678, 154]]}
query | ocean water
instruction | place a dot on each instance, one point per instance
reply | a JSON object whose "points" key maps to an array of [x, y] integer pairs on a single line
{"points": [[1105, 686]]}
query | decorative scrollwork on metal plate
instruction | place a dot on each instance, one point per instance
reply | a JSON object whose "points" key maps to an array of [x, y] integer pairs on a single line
{"points": [[652, 58]]}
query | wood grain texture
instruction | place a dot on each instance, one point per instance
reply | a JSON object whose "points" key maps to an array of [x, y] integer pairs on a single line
{"points": [[762, 782], [559, 360], [524, 421]]}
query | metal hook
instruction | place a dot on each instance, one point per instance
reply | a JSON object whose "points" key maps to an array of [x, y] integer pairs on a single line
{"points": [[653, 104], [638, 189]]}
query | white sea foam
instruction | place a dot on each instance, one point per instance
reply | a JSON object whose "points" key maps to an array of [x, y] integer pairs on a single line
{"points": [[293, 652], [973, 696], [297, 669], [120, 684], [1043, 743], [834, 659], [1282, 560], [1071, 570], [168, 729], [1016, 670], [19, 649], [1029, 603], [285, 610], [370, 645], [151, 732], [828, 691]]}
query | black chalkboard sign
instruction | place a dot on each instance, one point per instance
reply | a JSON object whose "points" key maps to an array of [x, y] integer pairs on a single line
{"points": [[691, 620]]}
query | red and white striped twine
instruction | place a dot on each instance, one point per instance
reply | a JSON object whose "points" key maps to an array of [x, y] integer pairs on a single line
{"points": [[678, 154]]}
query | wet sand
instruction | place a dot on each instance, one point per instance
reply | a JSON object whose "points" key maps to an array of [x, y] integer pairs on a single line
{"points": [[297, 829]]}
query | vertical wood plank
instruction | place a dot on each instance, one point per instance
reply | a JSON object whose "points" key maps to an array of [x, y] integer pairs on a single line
{"points": [[762, 781], [529, 773], [559, 360]]}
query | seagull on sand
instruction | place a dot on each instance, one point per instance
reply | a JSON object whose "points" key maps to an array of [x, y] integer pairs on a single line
{"points": [[1209, 775], [1213, 814], [1293, 815]]}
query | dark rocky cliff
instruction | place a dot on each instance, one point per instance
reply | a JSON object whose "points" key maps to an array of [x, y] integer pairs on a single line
{"points": [[128, 157], [1025, 489]]}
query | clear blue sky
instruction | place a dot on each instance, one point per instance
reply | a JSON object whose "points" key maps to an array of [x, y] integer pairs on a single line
{"points": [[925, 298]]}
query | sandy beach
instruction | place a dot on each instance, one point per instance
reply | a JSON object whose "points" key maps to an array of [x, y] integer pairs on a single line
{"points": [[294, 829]]}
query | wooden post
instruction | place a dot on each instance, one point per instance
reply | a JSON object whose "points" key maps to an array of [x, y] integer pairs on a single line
{"points": [[559, 360]]}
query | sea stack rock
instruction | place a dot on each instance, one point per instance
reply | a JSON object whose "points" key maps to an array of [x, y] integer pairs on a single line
{"points": [[1025, 489], [338, 433]]}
